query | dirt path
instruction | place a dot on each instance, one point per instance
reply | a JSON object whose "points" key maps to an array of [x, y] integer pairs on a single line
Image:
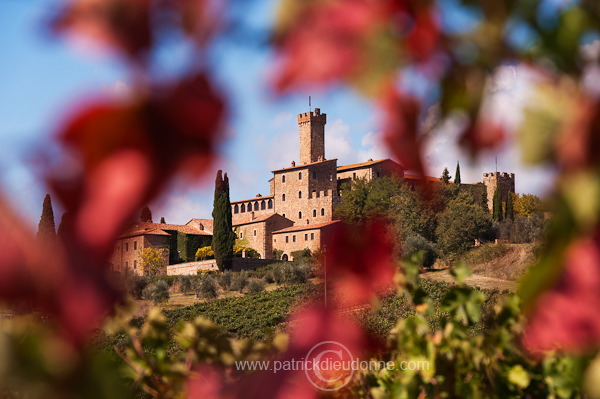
{"points": [[473, 280]]}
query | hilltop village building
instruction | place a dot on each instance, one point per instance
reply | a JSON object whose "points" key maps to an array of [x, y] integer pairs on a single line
{"points": [[298, 212]]}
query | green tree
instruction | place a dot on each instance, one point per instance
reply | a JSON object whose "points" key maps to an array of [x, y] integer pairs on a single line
{"points": [[527, 205], [363, 200], [146, 215], [46, 227], [483, 202], [457, 174], [510, 212], [162, 220], [223, 235], [445, 176], [460, 224], [153, 261], [497, 205]]}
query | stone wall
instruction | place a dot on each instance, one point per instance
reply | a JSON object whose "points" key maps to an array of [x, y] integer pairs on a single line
{"points": [[248, 210], [127, 251], [238, 264], [506, 183]]}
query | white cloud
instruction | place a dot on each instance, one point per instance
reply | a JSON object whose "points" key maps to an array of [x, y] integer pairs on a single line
{"points": [[507, 95], [372, 147], [338, 144]]}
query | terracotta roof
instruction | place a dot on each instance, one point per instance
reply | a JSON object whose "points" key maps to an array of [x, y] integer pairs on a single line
{"points": [[419, 177], [306, 227], [207, 223], [252, 199], [143, 232], [257, 220], [178, 227], [363, 164], [304, 165]]}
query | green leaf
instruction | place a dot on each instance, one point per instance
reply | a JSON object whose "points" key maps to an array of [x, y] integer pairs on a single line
{"points": [[460, 272], [519, 377]]}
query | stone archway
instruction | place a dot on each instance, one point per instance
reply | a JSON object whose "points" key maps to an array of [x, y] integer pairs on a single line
{"points": [[284, 258]]}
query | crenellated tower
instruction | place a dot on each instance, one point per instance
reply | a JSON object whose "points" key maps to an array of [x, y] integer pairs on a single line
{"points": [[504, 181], [312, 136]]}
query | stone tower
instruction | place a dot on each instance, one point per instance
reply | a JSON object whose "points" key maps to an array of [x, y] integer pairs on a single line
{"points": [[312, 136], [506, 183]]}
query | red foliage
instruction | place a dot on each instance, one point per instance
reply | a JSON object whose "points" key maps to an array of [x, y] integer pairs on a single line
{"points": [[120, 24], [360, 261], [401, 129], [567, 317]]}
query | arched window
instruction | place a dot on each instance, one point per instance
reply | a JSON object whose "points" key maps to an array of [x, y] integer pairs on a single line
{"points": [[254, 232], [299, 215], [256, 206], [283, 179], [314, 213], [299, 175], [283, 197], [263, 205], [236, 209], [270, 204], [322, 211], [299, 194], [243, 208]]}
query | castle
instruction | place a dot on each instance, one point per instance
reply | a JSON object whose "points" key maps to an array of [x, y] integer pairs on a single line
{"points": [[297, 213]]}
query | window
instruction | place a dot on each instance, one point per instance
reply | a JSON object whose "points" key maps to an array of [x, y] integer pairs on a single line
{"points": [[256, 206], [314, 174], [306, 237], [283, 179], [377, 174], [135, 245], [314, 213], [236, 209], [270, 204], [241, 234], [126, 246], [299, 194], [294, 238], [263, 205], [354, 176], [299, 175], [254, 232], [299, 215], [287, 239], [283, 197], [322, 211], [312, 236], [243, 208], [135, 264]]}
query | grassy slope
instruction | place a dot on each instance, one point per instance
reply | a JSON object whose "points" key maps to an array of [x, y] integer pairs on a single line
{"points": [[504, 261]]}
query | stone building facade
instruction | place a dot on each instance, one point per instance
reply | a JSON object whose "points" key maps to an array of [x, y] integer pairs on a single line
{"points": [[502, 180]]}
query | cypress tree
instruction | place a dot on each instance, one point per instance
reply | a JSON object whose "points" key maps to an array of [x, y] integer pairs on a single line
{"points": [[497, 206], [223, 236], [162, 220], [146, 215], [445, 176], [484, 198], [510, 211], [46, 227], [457, 174]]}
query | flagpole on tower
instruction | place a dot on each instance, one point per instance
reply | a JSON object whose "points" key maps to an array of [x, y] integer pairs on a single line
{"points": [[309, 104]]}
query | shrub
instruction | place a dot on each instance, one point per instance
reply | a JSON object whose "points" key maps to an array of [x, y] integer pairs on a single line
{"points": [[225, 280], [269, 278], [133, 284], [205, 253], [415, 244], [296, 273], [185, 284], [304, 254], [278, 253], [157, 292], [239, 281], [255, 286], [279, 273], [250, 252], [207, 288]]}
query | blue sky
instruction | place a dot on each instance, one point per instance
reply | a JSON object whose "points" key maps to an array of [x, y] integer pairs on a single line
{"points": [[41, 77]]}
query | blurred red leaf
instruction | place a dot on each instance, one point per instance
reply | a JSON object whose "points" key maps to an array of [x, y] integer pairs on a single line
{"points": [[483, 134], [120, 24], [360, 261], [401, 129], [424, 37], [567, 317], [327, 42]]}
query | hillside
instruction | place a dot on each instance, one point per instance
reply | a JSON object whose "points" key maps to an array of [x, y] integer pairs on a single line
{"points": [[494, 266]]}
